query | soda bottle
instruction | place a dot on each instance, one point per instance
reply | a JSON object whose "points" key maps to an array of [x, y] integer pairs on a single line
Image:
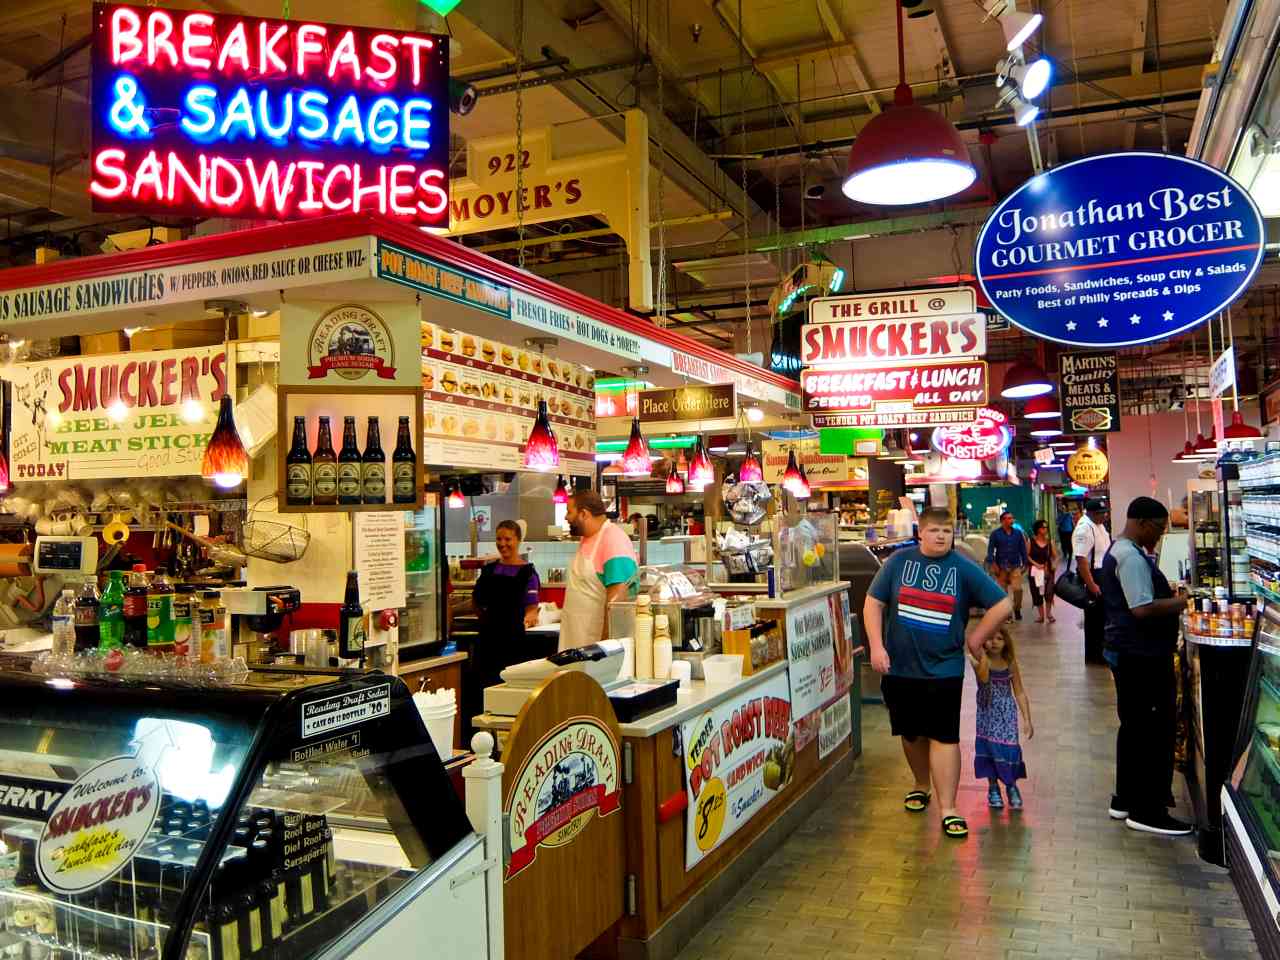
{"points": [[87, 613], [404, 468], [374, 472], [351, 621], [349, 464], [111, 613], [64, 623], [324, 468], [160, 628], [135, 608]]}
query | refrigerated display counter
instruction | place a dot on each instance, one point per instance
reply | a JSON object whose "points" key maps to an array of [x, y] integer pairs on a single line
{"points": [[301, 818]]}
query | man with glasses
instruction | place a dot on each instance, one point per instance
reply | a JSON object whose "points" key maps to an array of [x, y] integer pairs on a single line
{"points": [[1141, 632]]}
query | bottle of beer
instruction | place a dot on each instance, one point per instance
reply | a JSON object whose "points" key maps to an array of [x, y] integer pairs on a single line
{"points": [[351, 621], [375, 465], [324, 468], [349, 473], [404, 468], [297, 470]]}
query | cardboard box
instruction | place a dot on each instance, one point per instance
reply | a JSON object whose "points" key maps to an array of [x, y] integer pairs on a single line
{"points": [[92, 344], [197, 333]]}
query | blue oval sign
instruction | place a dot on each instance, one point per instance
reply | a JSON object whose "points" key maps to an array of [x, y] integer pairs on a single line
{"points": [[1119, 249]]}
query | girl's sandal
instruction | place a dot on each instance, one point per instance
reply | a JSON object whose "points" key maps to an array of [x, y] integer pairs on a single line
{"points": [[917, 801], [955, 828]]}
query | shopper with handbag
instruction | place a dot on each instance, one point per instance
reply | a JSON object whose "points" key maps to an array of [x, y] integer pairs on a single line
{"points": [[1089, 544]]}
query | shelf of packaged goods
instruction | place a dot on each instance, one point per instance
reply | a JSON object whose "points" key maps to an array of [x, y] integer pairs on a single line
{"points": [[1266, 593]]}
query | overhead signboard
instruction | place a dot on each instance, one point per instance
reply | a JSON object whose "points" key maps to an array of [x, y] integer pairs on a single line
{"points": [[1090, 392], [887, 419], [895, 390], [1088, 466], [687, 403], [908, 325], [224, 115], [821, 469], [984, 437], [1119, 249], [1222, 375]]}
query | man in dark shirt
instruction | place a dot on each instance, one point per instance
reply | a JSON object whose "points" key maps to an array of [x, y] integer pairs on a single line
{"points": [[1007, 559]]}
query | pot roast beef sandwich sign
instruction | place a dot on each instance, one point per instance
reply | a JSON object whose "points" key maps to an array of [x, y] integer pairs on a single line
{"points": [[1119, 249]]}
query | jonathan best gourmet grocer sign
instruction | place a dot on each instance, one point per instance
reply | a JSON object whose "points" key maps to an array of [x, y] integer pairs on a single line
{"points": [[1119, 249]]}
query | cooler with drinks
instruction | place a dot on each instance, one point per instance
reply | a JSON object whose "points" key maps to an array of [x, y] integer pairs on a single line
{"points": [[274, 819]]}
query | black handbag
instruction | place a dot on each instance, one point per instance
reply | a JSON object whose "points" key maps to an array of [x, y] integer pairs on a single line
{"points": [[1071, 588]]}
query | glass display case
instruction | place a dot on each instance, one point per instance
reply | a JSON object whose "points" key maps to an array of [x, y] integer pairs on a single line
{"points": [[807, 552], [1234, 565], [422, 632], [160, 820]]}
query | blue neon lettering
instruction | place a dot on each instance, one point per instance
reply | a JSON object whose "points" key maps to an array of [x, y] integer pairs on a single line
{"points": [[198, 101], [277, 133], [383, 132], [128, 109], [348, 121], [315, 113], [239, 115], [413, 124]]}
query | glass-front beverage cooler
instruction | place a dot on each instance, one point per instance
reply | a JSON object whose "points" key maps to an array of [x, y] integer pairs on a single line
{"points": [[422, 630], [158, 820]]}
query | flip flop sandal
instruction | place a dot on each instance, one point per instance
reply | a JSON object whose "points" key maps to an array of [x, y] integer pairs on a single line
{"points": [[917, 801], [955, 828]]}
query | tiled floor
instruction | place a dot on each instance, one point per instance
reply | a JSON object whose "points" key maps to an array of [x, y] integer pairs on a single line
{"points": [[862, 879]]}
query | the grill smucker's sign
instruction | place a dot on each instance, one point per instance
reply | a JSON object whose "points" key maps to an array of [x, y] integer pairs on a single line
{"points": [[568, 778], [225, 115], [1120, 249], [98, 825], [920, 388], [739, 755], [115, 415], [1090, 392]]}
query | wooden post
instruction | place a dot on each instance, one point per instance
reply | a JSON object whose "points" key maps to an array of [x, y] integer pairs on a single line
{"points": [[484, 808]]}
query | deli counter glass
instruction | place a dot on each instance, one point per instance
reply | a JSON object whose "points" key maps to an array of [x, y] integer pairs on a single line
{"points": [[159, 820]]}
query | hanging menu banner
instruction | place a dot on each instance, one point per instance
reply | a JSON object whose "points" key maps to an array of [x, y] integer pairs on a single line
{"points": [[1120, 249], [1090, 392], [115, 415], [739, 755], [904, 325]]}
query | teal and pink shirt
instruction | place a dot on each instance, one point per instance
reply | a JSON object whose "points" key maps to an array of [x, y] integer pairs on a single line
{"points": [[615, 560]]}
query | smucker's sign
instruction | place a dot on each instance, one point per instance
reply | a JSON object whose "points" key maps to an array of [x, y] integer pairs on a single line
{"points": [[116, 415]]}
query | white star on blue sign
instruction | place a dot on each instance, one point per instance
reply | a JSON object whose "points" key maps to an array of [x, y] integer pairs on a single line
{"points": [[1135, 319], [1168, 315], [1071, 325], [1102, 321]]}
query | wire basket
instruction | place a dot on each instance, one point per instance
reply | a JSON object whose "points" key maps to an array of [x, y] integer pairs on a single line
{"points": [[271, 539]]}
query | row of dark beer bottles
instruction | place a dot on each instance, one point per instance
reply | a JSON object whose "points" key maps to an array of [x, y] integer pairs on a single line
{"points": [[323, 478]]}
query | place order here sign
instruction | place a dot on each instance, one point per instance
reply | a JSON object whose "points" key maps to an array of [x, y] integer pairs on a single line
{"points": [[902, 358]]}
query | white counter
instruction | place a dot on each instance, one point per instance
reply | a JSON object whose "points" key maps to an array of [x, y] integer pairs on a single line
{"points": [[700, 699], [802, 595]]}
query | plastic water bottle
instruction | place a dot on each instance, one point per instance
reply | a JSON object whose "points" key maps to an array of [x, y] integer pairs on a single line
{"points": [[64, 623]]}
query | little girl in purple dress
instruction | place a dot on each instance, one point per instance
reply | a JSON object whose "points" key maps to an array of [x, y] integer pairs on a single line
{"points": [[997, 755]]}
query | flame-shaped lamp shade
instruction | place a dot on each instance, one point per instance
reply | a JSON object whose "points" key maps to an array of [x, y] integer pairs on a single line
{"points": [[682, 465], [701, 471], [792, 480], [750, 471], [455, 499], [561, 493], [802, 490], [541, 452], [226, 462], [635, 460], [674, 483]]}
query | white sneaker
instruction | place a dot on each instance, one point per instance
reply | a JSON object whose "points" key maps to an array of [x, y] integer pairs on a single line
{"points": [[1161, 824]]}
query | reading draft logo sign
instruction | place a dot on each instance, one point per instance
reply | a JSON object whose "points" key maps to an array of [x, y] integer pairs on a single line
{"points": [[351, 341]]}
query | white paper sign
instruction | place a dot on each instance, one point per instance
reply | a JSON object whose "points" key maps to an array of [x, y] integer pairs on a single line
{"points": [[837, 727], [379, 556], [811, 652], [1222, 375], [738, 756]]}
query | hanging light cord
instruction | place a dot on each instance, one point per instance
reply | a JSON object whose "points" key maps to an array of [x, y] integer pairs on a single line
{"points": [[520, 133], [746, 198]]}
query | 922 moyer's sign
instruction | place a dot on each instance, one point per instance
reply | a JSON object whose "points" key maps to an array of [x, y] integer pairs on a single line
{"points": [[1119, 249]]}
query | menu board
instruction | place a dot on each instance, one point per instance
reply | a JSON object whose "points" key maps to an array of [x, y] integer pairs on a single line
{"points": [[379, 556], [481, 397]]}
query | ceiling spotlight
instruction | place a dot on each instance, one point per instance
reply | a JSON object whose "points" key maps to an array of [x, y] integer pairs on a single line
{"points": [[462, 97], [1031, 79], [814, 191], [1024, 379], [1024, 113], [1017, 26]]}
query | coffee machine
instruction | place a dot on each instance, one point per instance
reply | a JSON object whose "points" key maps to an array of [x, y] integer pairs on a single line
{"points": [[256, 613]]}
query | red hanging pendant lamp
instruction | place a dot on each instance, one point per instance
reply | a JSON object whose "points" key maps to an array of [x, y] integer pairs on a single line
{"points": [[793, 480], [802, 490], [456, 500], [674, 483], [636, 461], [225, 461], [541, 451], [701, 470], [907, 154], [750, 471], [561, 492]]}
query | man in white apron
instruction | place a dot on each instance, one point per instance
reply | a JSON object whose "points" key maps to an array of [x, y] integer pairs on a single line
{"points": [[603, 570]]}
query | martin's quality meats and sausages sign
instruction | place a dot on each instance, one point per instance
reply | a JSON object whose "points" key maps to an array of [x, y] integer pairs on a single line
{"points": [[117, 415]]}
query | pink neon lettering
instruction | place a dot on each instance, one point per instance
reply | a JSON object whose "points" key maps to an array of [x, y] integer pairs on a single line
{"points": [[194, 38], [379, 189], [107, 164], [270, 178], [159, 30], [382, 47], [418, 46], [177, 169], [268, 60], [308, 42], [329, 202], [310, 168], [345, 54], [148, 175], [229, 200], [235, 47], [399, 189], [429, 183], [125, 42]]}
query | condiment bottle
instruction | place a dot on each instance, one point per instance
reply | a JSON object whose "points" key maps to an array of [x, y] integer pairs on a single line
{"points": [[644, 638], [661, 647]]}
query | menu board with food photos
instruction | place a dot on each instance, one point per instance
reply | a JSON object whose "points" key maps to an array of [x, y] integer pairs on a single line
{"points": [[480, 398]]}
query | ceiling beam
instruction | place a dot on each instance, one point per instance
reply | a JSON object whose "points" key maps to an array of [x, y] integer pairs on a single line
{"points": [[929, 30], [835, 30], [1138, 54], [688, 166], [28, 184], [729, 18]]}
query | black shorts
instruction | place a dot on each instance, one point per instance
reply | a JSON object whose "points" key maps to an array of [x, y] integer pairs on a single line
{"points": [[923, 707]]}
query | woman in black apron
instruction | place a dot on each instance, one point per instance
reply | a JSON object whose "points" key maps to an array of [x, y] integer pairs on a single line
{"points": [[506, 599]]}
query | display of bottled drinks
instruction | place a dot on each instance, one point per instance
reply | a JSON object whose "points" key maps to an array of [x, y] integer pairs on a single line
{"points": [[352, 475], [146, 612], [276, 883]]}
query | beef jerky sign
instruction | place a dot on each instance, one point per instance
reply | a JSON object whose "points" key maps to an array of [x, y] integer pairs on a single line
{"points": [[1090, 392]]}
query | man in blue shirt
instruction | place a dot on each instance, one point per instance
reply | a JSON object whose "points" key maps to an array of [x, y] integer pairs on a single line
{"points": [[1007, 559], [916, 613], [1141, 632]]}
